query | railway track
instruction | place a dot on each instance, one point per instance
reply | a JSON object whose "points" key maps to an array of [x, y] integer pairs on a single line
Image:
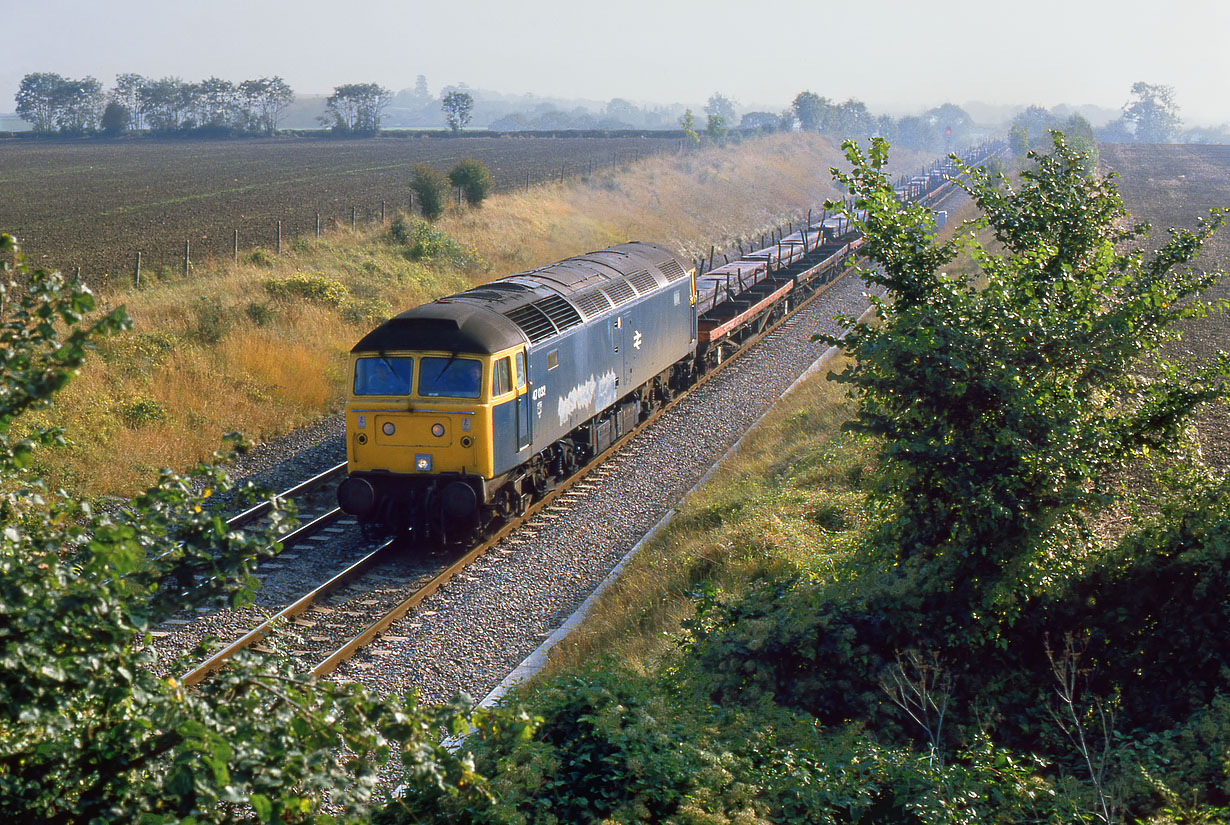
{"points": [[323, 627], [387, 585]]}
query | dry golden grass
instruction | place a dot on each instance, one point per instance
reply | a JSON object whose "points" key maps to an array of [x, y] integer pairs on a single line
{"points": [[790, 498], [220, 351]]}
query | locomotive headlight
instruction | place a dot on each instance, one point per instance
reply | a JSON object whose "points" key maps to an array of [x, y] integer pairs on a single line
{"points": [[388, 428], [422, 463], [437, 430]]}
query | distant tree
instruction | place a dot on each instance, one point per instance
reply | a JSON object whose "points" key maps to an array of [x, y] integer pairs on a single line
{"points": [[430, 188], [917, 133], [1153, 115], [357, 107], [78, 105], [623, 111], [127, 87], [457, 107], [420, 88], [721, 106], [217, 103], [716, 128], [262, 102], [809, 108], [953, 125], [851, 119], [688, 124], [166, 103], [764, 121], [473, 179], [38, 99], [787, 120], [115, 118]]}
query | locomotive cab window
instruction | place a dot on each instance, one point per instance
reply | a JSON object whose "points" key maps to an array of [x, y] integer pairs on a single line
{"points": [[450, 377], [520, 370], [382, 376], [552, 359], [501, 377]]}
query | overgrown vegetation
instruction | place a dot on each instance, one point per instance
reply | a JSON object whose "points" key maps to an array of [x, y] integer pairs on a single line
{"points": [[88, 732], [980, 653]]}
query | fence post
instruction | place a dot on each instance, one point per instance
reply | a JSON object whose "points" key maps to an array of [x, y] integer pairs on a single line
{"points": [[318, 226], [136, 276], [712, 249], [527, 181], [235, 247], [353, 216], [382, 213], [563, 166], [187, 256], [279, 237]]}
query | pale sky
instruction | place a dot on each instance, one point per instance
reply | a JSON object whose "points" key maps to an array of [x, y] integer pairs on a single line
{"points": [[896, 55]]}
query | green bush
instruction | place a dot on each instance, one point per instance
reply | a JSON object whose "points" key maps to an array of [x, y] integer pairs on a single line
{"points": [[142, 411], [213, 320], [472, 177], [319, 288], [424, 242], [430, 188]]}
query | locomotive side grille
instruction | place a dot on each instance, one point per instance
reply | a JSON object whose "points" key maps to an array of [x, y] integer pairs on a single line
{"points": [[643, 281], [533, 322], [563, 314], [672, 270], [592, 303], [619, 291]]}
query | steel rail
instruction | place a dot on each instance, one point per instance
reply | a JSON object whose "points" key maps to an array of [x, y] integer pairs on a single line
{"points": [[256, 511], [257, 634]]}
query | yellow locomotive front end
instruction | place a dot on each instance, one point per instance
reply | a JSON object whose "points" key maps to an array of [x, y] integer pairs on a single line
{"points": [[421, 438], [416, 413]]}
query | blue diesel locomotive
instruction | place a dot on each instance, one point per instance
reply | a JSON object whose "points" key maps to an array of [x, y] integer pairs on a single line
{"points": [[464, 410]]}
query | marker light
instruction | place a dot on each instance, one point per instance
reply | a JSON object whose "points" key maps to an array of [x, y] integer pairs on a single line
{"points": [[422, 463], [388, 428], [437, 430]]}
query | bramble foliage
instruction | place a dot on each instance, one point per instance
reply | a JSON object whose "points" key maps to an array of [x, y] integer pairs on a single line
{"points": [[472, 177], [88, 731]]}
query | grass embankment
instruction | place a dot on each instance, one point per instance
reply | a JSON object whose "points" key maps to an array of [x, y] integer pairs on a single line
{"points": [[259, 346]]}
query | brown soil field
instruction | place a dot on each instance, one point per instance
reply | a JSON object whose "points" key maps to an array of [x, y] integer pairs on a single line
{"points": [[1172, 185], [95, 204]]}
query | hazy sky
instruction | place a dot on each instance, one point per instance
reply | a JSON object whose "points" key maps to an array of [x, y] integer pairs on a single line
{"points": [[897, 55]]}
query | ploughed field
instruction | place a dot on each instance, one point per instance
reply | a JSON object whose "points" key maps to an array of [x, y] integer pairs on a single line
{"points": [[95, 204], [1172, 185]]}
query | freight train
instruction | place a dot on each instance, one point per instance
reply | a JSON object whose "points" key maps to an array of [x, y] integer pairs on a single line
{"points": [[462, 412]]}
